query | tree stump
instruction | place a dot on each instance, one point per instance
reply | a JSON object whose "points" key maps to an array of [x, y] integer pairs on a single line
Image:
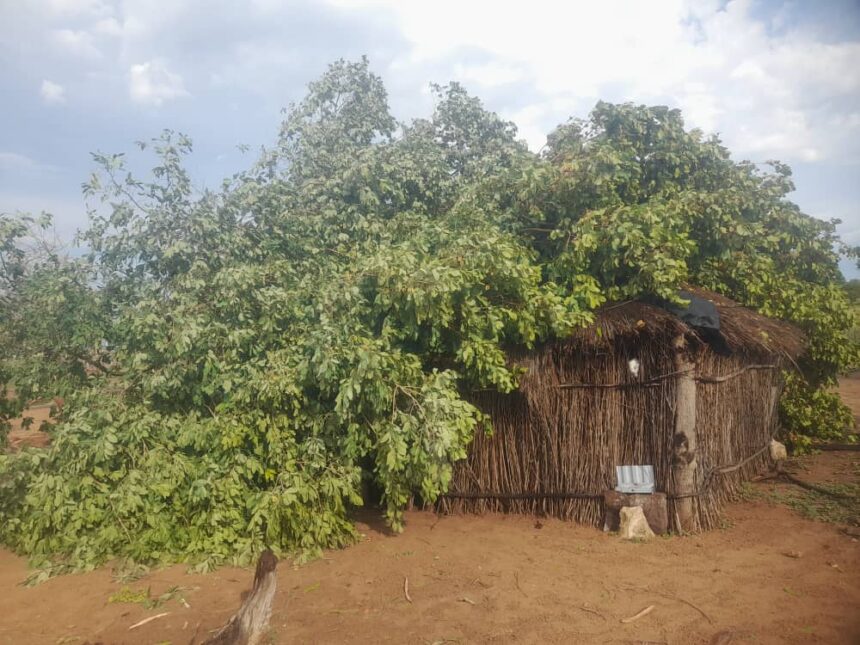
{"points": [[654, 506], [249, 624]]}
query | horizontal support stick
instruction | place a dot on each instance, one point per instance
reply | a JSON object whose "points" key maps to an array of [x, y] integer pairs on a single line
{"points": [[476, 495], [723, 379], [705, 378], [649, 383]]}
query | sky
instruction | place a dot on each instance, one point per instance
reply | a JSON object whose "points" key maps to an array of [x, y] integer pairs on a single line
{"points": [[775, 79]]}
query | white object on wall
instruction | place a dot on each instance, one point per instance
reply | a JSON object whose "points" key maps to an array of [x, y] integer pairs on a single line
{"points": [[635, 479], [633, 364]]}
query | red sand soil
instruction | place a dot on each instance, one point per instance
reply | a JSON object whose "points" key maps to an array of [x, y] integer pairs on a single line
{"points": [[21, 436], [499, 579]]}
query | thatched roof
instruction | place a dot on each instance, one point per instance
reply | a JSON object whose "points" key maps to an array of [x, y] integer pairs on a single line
{"points": [[744, 330]]}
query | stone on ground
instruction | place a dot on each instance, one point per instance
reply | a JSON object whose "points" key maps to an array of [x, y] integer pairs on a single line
{"points": [[634, 526], [777, 451]]}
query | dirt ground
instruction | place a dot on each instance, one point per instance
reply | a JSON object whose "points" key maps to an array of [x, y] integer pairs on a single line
{"points": [[21, 435], [769, 576]]}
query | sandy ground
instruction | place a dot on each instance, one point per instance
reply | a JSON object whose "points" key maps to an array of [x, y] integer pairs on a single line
{"points": [[769, 576], [21, 436]]}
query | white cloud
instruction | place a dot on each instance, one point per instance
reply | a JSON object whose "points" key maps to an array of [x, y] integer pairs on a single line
{"points": [[18, 165], [772, 92], [10, 161], [77, 43], [52, 92], [108, 27], [151, 83], [73, 8], [488, 74]]}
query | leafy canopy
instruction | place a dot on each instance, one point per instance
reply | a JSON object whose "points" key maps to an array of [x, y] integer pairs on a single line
{"points": [[243, 358]]}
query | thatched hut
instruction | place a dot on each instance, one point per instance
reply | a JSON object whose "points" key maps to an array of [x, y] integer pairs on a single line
{"points": [[701, 410]]}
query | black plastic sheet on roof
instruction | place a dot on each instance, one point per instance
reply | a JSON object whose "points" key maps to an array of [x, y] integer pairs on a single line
{"points": [[702, 316]]}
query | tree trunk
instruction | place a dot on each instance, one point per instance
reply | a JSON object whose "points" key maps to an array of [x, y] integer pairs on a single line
{"points": [[684, 441], [249, 624]]}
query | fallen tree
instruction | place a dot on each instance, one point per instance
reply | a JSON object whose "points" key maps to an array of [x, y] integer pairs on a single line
{"points": [[264, 347]]}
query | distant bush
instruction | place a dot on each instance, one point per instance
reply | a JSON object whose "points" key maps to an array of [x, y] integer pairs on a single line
{"points": [[812, 414]]}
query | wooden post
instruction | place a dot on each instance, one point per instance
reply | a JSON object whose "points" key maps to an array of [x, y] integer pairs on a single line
{"points": [[685, 440], [248, 626]]}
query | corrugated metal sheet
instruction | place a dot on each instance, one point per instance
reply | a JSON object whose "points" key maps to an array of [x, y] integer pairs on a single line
{"points": [[635, 479]]}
